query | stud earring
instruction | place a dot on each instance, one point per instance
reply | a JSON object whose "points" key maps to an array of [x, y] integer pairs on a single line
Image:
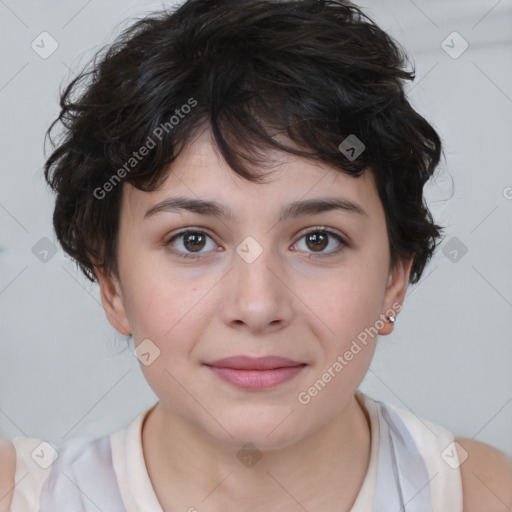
{"points": [[391, 319]]}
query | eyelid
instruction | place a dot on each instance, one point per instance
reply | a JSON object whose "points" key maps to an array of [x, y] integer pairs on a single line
{"points": [[331, 232], [183, 231], [327, 229]]}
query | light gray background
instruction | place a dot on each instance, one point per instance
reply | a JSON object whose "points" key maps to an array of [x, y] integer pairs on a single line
{"points": [[62, 370]]}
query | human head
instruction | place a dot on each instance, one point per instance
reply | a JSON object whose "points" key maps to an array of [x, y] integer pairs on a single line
{"points": [[234, 97]]}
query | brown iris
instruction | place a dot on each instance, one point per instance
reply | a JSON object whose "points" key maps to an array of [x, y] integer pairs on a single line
{"points": [[196, 241], [318, 238]]}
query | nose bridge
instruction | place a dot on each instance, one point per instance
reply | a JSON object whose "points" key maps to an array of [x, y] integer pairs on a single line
{"points": [[257, 297], [253, 262]]}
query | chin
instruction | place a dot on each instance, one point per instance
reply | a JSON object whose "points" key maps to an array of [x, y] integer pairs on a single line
{"points": [[265, 432]]}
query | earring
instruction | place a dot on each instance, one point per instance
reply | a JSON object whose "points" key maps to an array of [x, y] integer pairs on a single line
{"points": [[391, 319]]}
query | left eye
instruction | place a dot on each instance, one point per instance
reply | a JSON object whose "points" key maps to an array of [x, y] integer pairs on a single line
{"points": [[318, 239]]}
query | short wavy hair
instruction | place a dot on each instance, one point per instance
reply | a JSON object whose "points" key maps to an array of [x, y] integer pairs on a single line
{"points": [[316, 71]]}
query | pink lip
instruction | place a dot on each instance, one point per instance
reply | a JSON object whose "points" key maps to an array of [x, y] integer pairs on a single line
{"points": [[256, 372], [254, 363]]}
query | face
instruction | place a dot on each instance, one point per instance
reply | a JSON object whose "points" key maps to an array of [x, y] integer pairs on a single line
{"points": [[305, 284]]}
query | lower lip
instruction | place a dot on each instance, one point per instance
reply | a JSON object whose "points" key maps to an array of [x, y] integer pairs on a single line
{"points": [[256, 379]]}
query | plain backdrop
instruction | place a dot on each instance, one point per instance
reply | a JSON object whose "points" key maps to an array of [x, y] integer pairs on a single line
{"points": [[63, 369]]}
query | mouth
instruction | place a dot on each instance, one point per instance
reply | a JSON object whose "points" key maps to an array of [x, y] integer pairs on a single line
{"points": [[254, 373]]}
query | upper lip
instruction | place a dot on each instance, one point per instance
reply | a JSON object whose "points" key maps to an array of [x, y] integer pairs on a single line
{"points": [[254, 363]]}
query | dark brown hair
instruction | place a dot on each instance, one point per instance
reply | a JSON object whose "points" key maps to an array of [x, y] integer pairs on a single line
{"points": [[315, 71]]}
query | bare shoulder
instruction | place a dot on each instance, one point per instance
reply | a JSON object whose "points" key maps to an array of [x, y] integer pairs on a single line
{"points": [[7, 471], [486, 476]]}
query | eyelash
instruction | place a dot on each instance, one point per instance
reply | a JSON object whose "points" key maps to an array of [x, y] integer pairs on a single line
{"points": [[319, 229]]}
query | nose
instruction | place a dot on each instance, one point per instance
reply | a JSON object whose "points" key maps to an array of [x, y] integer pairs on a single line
{"points": [[256, 295]]}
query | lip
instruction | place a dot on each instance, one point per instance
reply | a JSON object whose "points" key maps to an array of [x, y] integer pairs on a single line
{"points": [[255, 373], [242, 362]]}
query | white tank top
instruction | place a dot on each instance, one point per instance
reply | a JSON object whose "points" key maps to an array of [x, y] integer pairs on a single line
{"points": [[406, 472]]}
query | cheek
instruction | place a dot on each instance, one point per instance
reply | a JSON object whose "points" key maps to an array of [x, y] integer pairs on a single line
{"points": [[352, 299], [160, 310], [350, 304], [350, 307], [154, 300]]}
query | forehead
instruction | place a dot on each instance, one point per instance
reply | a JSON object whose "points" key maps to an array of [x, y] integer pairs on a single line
{"points": [[200, 172]]}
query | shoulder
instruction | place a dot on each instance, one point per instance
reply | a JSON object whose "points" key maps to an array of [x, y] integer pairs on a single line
{"points": [[486, 475], [7, 471], [40, 470]]}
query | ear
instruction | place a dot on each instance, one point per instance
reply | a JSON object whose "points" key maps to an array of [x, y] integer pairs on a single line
{"points": [[396, 288], [112, 300]]}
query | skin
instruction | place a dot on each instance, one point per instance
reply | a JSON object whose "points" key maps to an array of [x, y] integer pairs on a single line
{"points": [[291, 301], [7, 471]]}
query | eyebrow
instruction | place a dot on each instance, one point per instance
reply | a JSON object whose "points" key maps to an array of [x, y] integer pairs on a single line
{"points": [[215, 209]]}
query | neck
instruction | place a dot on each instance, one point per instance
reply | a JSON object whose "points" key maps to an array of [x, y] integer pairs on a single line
{"points": [[189, 468]]}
